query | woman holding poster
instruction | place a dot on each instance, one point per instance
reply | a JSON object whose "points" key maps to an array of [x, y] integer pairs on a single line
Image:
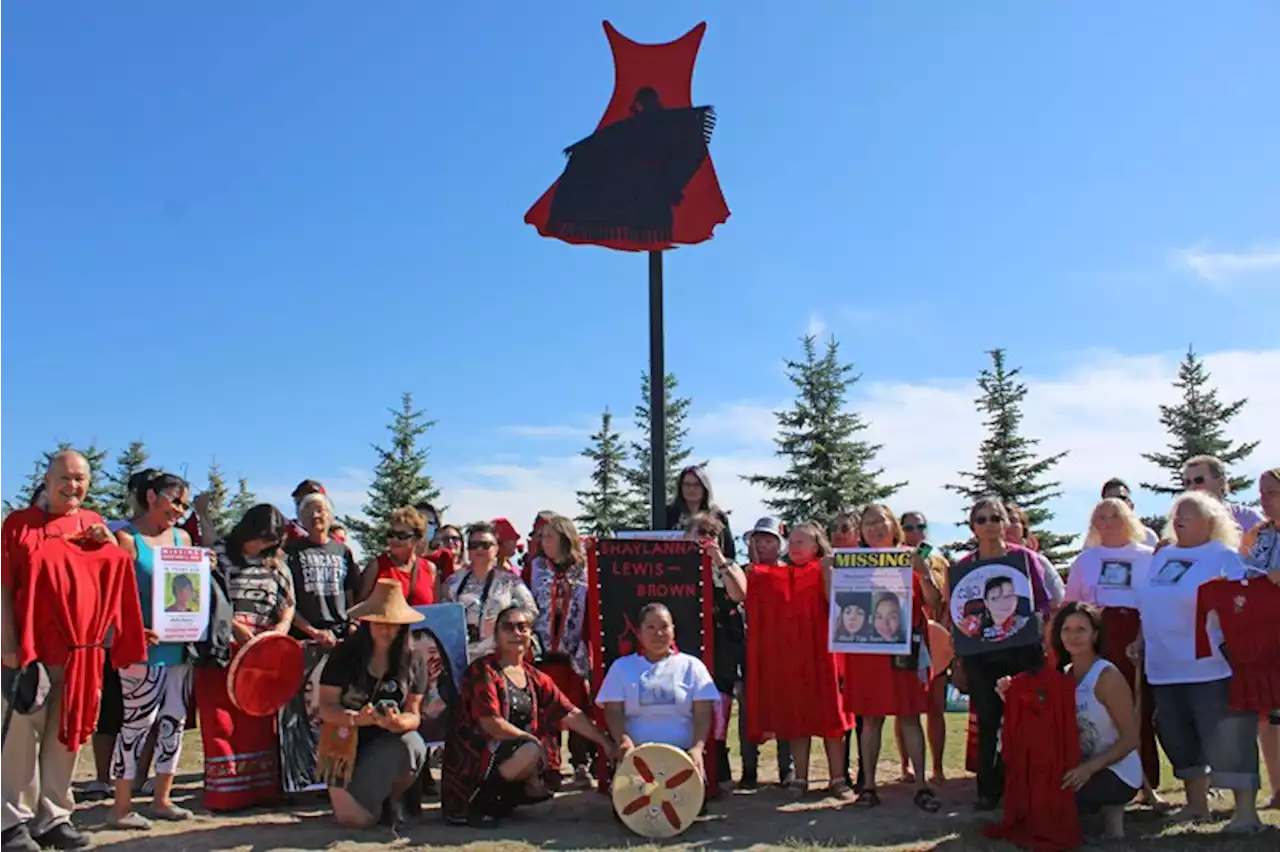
{"points": [[880, 685], [156, 690], [998, 604]]}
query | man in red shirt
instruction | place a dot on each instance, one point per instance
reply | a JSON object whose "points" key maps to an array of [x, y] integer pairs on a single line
{"points": [[37, 766]]}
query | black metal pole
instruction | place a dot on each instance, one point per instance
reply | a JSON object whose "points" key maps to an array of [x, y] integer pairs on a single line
{"points": [[657, 397]]}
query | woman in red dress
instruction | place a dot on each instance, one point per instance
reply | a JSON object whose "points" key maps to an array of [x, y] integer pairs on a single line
{"points": [[793, 679], [880, 685], [400, 561]]}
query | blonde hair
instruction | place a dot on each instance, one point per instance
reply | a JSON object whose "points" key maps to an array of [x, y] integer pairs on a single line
{"points": [[815, 529], [1222, 527], [1137, 532]]}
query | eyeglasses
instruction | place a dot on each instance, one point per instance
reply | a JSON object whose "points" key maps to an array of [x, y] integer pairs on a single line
{"points": [[517, 626], [481, 545], [401, 535], [452, 539], [979, 520], [1188, 481], [914, 527]]}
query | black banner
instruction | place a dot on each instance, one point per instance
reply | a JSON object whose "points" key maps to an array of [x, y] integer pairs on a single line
{"points": [[630, 573]]}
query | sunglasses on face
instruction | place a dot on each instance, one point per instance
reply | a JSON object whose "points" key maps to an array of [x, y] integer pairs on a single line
{"points": [[401, 535], [452, 539], [180, 504], [1188, 481], [914, 527], [979, 520], [517, 626], [481, 545]]}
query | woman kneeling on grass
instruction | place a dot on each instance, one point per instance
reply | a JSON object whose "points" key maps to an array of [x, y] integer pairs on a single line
{"points": [[374, 683], [494, 758], [1110, 772]]}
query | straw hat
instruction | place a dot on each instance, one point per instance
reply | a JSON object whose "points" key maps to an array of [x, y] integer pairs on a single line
{"points": [[386, 606]]}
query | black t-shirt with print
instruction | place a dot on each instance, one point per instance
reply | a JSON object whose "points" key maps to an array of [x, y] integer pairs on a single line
{"points": [[323, 574], [359, 687]]}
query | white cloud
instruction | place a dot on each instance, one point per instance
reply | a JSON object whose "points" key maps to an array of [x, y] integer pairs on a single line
{"points": [[816, 326], [1104, 410], [547, 431], [1224, 267]]}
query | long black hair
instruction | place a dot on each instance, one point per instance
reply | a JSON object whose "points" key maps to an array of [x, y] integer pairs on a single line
{"points": [[263, 522], [158, 481], [399, 656]]}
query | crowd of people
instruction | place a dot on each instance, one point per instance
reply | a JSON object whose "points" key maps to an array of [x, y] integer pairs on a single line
{"points": [[1156, 653]]}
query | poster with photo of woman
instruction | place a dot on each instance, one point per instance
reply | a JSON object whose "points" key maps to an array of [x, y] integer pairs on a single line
{"points": [[991, 606], [441, 639], [871, 601]]}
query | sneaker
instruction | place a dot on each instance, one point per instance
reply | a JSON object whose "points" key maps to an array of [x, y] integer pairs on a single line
{"points": [[132, 821], [18, 839], [748, 781], [63, 836]]}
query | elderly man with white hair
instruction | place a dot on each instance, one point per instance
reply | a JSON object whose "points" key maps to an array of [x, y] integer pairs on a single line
{"points": [[326, 577], [58, 644]]}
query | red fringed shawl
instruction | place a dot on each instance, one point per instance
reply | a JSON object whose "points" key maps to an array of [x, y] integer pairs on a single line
{"points": [[70, 594], [1040, 743], [1249, 616], [793, 684]]}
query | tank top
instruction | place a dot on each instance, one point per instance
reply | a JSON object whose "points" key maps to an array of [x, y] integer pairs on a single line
{"points": [[1097, 731], [417, 579], [166, 653]]}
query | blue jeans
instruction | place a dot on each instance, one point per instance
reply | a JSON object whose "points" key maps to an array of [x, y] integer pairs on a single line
{"points": [[1202, 735]]}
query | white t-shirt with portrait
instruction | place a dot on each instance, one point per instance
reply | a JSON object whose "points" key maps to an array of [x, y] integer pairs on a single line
{"points": [[1167, 603], [658, 698], [1109, 576]]}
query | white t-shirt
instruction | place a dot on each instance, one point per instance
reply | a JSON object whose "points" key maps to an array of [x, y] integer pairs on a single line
{"points": [[1109, 576], [658, 697], [1167, 602]]}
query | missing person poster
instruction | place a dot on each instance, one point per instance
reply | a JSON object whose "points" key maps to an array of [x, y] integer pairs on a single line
{"points": [[871, 601], [180, 594], [992, 605]]}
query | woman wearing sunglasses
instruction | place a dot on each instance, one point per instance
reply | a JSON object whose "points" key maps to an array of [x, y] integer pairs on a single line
{"points": [[485, 592], [495, 757], [989, 522], [401, 562]]}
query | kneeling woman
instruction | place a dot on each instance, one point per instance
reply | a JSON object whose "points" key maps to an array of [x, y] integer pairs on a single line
{"points": [[1110, 772], [494, 757], [374, 682], [659, 695]]}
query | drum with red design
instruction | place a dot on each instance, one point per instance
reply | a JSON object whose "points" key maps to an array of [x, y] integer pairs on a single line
{"points": [[657, 791], [265, 674]]}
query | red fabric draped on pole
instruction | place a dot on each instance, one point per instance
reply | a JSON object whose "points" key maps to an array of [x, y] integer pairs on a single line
{"points": [[643, 181], [1040, 742]]}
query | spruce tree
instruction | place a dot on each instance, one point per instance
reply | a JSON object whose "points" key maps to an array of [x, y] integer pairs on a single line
{"points": [[829, 467], [398, 478], [1197, 425], [1007, 464], [218, 516], [130, 461], [22, 499], [676, 409], [241, 502], [610, 504]]}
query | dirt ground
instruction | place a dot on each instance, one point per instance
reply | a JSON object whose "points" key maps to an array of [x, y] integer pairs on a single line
{"points": [[767, 819]]}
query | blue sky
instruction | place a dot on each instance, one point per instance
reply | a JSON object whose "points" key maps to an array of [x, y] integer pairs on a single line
{"points": [[242, 229]]}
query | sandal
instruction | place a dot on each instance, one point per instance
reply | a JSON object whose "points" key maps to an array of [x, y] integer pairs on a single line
{"points": [[926, 801], [172, 813], [867, 799], [839, 789], [132, 820]]}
